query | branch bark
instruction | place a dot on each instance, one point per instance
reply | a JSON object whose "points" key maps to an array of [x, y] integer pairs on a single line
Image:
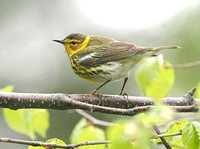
{"points": [[52, 145], [164, 141], [185, 65], [93, 120], [111, 104], [70, 146]]}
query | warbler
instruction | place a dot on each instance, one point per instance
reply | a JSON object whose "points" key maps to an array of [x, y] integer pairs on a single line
{"points": [[103, 59]]}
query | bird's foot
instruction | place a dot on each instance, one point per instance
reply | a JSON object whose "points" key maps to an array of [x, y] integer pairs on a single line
{"points": [[123, 94], [96, 93]]}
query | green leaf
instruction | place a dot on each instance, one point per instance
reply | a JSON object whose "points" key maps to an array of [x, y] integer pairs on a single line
{"points": [[84, 131], [118, 136], [8, 88], [154, 79], [28, 122], [78, 130], [35, 147], [53, 141], [190, 137], [56, 141], [128, 135], [159, 116], [173, 128], [197, 127], [197, 93]]}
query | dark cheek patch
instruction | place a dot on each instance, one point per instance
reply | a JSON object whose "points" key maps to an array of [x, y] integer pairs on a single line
{"points": [[75, 47]]}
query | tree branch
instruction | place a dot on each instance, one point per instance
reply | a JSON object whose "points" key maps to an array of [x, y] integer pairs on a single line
{"points": [[168, 135], [164, 141], [52, 145], [93, 120], [70, 146], [111, 104], [185, 65]]}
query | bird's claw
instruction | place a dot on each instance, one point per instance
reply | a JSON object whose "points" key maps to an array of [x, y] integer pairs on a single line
{"points": [[94, 92], [123, 94]]}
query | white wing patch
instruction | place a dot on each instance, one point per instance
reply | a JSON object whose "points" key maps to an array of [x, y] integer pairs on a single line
{"points": [[85, 57]]}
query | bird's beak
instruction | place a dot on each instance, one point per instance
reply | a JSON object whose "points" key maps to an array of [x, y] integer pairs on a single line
{"points": [[61, 41]]}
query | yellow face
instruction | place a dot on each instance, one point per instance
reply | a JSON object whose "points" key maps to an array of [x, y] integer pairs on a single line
{"points": [[73, 46]]}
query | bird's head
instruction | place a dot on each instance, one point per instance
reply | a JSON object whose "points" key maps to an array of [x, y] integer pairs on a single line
{"points": [[74, 42]]}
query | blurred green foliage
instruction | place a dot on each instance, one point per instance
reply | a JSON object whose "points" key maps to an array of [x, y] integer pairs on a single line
{"points": [[154, 78], [33, 63], [28, 121]]}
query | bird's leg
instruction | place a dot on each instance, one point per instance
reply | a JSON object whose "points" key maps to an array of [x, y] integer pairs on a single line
{"points": [[121, 92], [94, 92]]}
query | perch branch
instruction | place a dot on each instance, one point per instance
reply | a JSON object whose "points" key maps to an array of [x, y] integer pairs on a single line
{"points": [[110, 104]]}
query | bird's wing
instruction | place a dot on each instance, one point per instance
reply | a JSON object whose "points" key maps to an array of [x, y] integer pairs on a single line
{"points": [[113, 52]]}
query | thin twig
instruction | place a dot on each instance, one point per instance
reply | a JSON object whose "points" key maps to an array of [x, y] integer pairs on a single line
{"points": [[92, 119], [185, 65], [164, 141], [168, 135], [52, 145], [70, 146]]}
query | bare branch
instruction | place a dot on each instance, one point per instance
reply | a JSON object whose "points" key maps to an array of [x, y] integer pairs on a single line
{"points": [[92, 119], [70, 146], [168, 135], [52, 145], [111, 104], [164, 141], [185, 65]]}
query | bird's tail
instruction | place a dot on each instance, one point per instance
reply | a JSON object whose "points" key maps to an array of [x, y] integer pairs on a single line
{"points": [[151, 50], [164, 47]]}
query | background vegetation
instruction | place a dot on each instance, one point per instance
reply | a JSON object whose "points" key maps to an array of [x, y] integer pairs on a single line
{"points": [[32, 62]]}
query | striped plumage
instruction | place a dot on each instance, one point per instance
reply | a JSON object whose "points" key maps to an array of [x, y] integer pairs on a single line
{"points": [[103, 59]]}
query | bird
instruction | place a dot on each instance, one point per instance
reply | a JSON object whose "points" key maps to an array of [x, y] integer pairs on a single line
{"points": [[104, 59]]}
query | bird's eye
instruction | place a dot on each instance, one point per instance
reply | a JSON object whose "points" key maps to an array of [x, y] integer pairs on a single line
{"points": [[73, 43]]}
